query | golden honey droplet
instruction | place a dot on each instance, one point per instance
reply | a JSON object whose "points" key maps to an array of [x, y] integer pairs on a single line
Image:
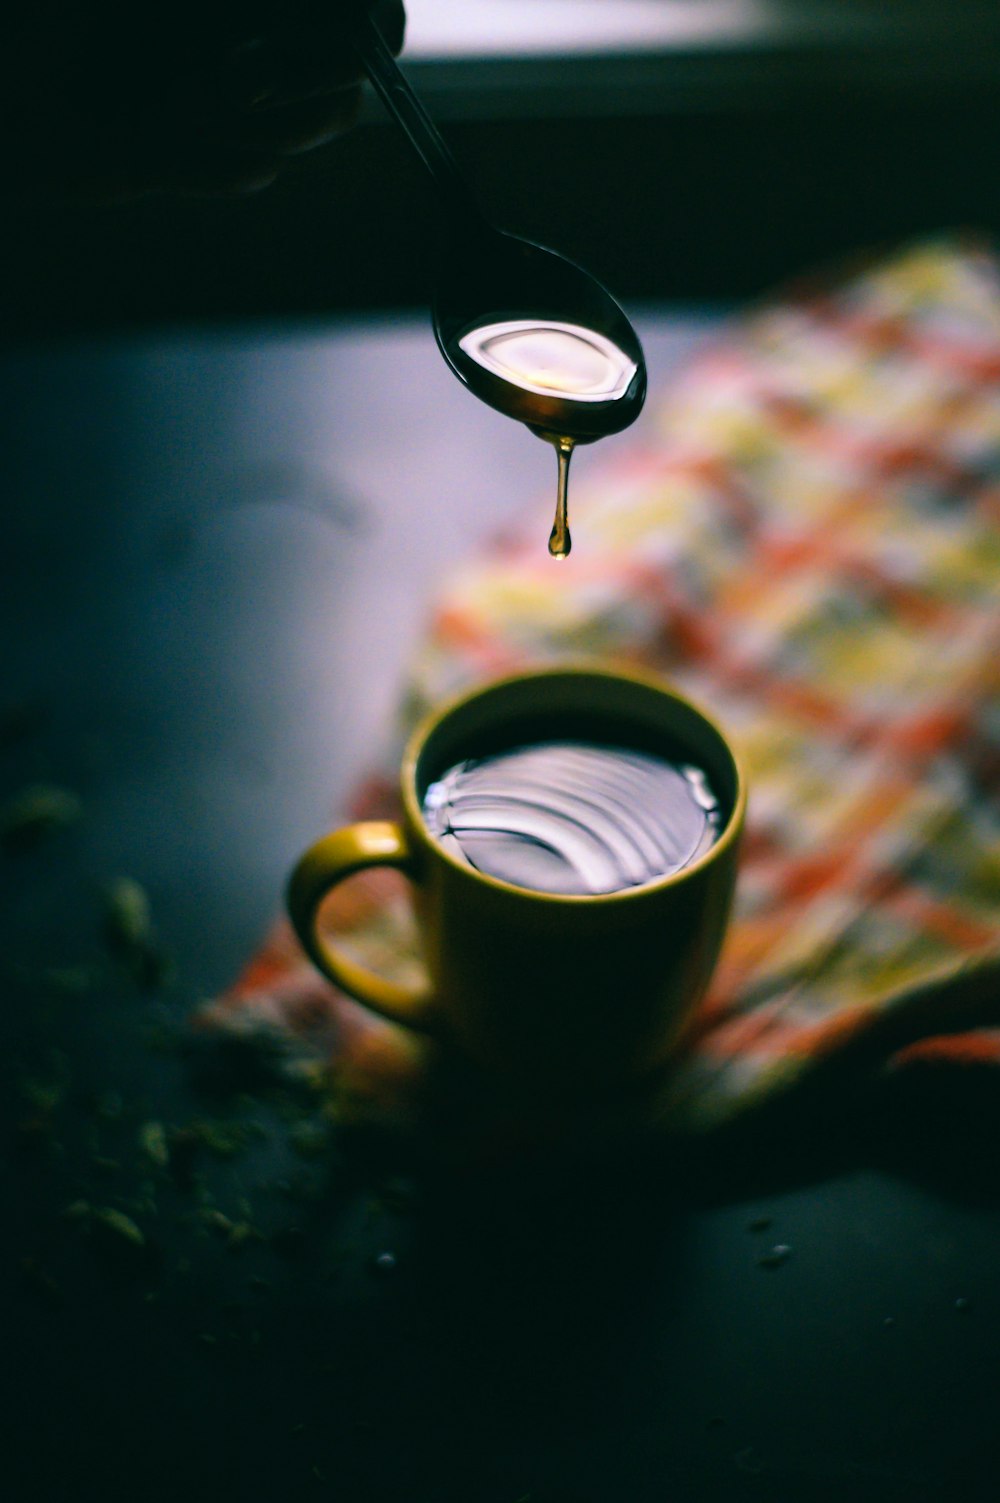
{"points": [[560, 541]]}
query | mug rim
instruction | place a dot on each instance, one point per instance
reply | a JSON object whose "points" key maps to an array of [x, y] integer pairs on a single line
{"points": [[644, 678]]}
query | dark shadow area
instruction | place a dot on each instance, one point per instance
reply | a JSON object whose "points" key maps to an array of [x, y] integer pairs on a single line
{"points": [[214, 1289], [934, 1127], [688, 207]]}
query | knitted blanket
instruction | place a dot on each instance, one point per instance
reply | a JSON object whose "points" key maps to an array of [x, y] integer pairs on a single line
{"points": [[803, 533]]}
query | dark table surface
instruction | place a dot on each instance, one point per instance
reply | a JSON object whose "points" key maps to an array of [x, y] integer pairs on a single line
{"points": [[219, 546]]}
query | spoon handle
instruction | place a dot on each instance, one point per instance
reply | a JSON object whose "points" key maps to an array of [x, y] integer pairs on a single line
{"points": [[399, 99]]}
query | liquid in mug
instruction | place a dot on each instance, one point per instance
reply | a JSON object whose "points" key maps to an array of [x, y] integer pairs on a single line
{"points": [[549, 358], [574, 817]]}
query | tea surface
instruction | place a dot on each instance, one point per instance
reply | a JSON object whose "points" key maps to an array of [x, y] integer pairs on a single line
{"points": [[574, 817]]}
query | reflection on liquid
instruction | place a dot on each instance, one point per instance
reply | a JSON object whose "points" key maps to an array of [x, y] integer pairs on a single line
{"points": [[551, 359], [574, 816]]}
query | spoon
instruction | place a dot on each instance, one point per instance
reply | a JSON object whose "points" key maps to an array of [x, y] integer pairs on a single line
{"points": [[525, 329]]}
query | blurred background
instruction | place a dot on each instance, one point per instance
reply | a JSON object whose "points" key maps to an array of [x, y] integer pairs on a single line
{"points": [[684, 149], [237, 477]]}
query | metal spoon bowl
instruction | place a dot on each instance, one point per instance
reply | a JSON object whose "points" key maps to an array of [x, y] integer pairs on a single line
{"points": [[489, 278]]}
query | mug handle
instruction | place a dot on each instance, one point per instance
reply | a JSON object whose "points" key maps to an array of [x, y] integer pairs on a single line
{"points": [[329, 862]]}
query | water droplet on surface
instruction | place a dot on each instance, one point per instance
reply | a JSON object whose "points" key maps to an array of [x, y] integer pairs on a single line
{"points": [[749, 1460], [780, 1253]]}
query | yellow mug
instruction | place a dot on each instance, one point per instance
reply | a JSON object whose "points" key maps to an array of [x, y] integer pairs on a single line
{"points": [[568, 993]]}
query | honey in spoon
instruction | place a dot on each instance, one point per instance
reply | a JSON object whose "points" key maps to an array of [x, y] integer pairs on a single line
{"points": [[548, 358]]}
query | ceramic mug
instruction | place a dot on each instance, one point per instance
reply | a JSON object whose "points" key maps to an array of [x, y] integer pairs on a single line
{"points": [[564, 992]]}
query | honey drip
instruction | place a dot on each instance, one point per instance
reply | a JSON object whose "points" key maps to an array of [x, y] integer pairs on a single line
{"points": [[552, 361], [560, 541]]}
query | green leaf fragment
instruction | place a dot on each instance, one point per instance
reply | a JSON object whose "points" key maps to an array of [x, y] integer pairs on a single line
{"points": [[127, 912], [217, 1221], [119, 1225], [153, 1143], [236, 1234], [128, 928], [43, 1095], [35, 812], [225, 1139], [309, 1139]]}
